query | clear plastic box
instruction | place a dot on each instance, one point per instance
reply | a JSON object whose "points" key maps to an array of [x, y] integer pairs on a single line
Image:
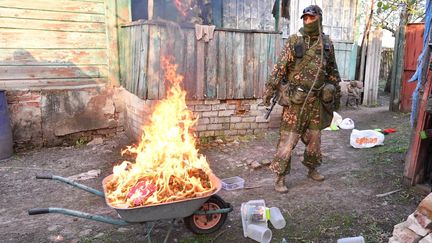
{"points": [[233, 183]]}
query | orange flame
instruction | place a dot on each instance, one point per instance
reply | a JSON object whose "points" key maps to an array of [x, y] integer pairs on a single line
{"points": [[168, 166]]}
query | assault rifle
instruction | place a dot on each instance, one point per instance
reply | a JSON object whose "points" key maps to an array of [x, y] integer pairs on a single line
{"points": [[274, 100]]}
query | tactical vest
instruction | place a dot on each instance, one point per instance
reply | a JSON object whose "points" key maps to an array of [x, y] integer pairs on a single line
{"points": [[308, 61]]}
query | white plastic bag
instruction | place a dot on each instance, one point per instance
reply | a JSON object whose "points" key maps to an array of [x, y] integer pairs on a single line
{"points": [[347, 123], [337, 119], [366, 138]]}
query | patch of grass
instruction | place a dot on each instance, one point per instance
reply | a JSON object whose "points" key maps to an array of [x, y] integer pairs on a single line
{"points": [[196, 239], [80, 142], [374, 233], [397, 148], [333, 225]]}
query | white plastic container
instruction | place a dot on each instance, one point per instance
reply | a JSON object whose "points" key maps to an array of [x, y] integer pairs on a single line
{"points": [[259, 233], [276, 218], [358, 239], [254, 213], [232, 183]]}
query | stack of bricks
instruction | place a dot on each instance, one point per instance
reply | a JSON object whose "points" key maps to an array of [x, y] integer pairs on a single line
{"points": [[418, 226]]}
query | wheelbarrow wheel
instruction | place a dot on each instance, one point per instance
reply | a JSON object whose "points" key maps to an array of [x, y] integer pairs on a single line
{"points": [[207, 223]]}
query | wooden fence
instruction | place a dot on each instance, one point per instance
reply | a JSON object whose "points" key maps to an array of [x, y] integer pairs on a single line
{"points": [[343, 50], [235, 64], [386, 63]]}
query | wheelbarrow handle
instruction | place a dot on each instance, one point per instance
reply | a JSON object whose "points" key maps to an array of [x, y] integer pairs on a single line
{"points": [[44, 176], [35, 211], [71, 182]]}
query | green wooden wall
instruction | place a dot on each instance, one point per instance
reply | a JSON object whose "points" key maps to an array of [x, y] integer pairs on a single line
{"points": [[235, 64], [62, 42]]}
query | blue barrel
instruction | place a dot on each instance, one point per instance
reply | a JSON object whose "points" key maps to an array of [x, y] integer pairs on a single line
{"points": [[6, 144]]}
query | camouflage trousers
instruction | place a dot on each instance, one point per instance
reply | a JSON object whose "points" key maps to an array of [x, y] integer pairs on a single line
{"points": [[296, 125]]}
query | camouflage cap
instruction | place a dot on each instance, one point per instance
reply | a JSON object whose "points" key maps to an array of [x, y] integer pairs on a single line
{"points": [[313, 10]]}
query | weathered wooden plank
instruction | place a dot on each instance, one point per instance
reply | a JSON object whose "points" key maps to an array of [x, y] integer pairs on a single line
{"points": [[229, 14], [154, 66], [112, 43], [190, 64], [229, 68], [51, 83], [166, 49], [249, 66], [200, 65], [263, 75], [59, 5], [247, 12], [239, 56], [241, 16], [52, 56], [271, 52], [16, 23], [256, 62], [126, 63], [96, 1], [136, 58], [142, 84], [123, 15], [179, 53], [211, 67], [255, 14], [221, 70], [13, 38], [131, 74], [49, 15], [46, 72]]}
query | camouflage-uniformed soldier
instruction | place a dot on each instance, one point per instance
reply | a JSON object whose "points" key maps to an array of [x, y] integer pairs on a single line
{"points": [[307, 79]]}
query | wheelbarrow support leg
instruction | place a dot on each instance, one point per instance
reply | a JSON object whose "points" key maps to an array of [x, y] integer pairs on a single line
{"points": [[78, 214]]}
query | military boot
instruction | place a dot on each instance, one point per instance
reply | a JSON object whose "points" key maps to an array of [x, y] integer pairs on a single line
{"points": [[315, 175], [280, 184]]}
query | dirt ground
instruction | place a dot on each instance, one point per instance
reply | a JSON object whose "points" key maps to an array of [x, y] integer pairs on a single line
{"points": [[344, 205]]}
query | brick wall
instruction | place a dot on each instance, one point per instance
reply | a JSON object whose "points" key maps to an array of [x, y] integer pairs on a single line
{"points": [[52, 117], [216, 117]]}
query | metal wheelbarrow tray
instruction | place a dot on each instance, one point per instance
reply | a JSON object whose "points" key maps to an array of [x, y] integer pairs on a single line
{"points": [[202, 215], [176, 209]]}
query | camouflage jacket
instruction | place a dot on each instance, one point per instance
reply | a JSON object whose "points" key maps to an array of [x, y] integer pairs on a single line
{"points": [[301, 71]]}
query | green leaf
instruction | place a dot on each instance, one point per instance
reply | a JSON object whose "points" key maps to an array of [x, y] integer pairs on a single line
{"points": [[379, 4]]}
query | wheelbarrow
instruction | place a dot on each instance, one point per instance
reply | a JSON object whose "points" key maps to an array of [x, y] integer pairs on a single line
{"points": [[202, 215]]}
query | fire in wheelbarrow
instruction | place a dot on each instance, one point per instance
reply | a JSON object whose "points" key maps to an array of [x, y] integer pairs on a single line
{"points": [[167, 178], [167, 164]]}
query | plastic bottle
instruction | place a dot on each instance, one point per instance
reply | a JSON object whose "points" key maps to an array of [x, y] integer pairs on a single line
{"points": [[276, 218]]}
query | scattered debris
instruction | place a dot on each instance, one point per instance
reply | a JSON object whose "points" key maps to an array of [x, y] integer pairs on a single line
{"points": [[255, 165], [388, 193], [86, 175], [249, 161], [266, 162], [96, 141]]}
